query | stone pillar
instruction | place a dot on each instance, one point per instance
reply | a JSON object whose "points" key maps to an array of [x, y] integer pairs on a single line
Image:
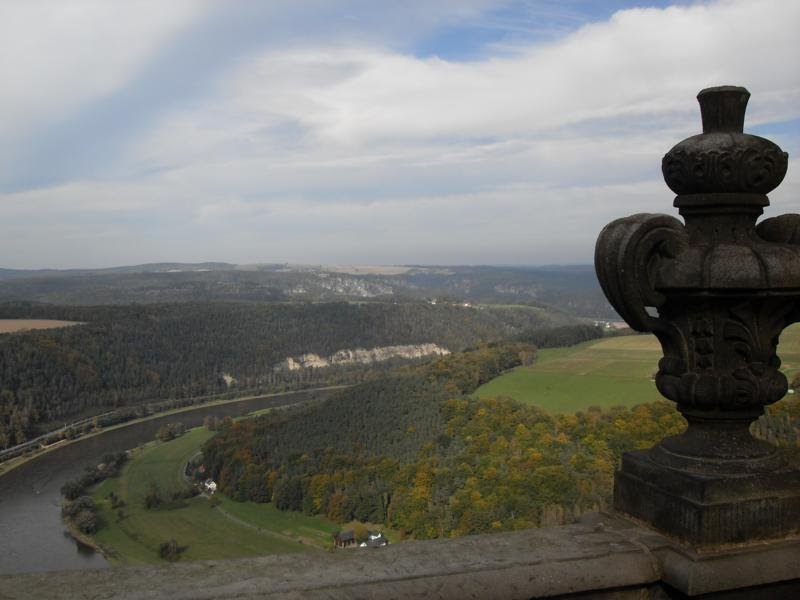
{"points": [[716, 290]]}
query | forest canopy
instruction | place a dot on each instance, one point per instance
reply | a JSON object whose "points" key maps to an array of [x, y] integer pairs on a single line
{"points": [[126, 355], [413, 450]]}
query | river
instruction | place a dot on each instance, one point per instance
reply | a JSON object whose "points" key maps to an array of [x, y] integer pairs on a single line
{"points": [[32, 536]]}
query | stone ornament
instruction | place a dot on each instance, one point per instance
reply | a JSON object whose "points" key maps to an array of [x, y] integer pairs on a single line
{"points": [[717, 290], [723, 158]]}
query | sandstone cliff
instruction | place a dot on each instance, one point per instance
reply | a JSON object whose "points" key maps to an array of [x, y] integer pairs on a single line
{"points": [[361, 356]]}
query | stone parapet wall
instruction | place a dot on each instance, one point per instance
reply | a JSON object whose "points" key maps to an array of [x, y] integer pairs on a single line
{"points": [[603, 556]]}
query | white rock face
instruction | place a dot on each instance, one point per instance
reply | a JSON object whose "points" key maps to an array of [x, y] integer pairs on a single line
{"points": [[361, 356], [313, 360]]}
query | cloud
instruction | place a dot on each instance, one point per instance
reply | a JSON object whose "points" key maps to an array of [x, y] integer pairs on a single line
{"points": [[642, 62], [349, 149], [59, 55], [637, 71]]}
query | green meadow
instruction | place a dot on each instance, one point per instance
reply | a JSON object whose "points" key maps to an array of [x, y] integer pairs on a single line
{"points": [[231, 530], [615, 371]]}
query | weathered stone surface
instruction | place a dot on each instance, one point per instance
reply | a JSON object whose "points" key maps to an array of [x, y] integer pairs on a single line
{"points": [[543, 562], [717, 292], [753, 566], [604, 556], [708, 509], [723, 158]]}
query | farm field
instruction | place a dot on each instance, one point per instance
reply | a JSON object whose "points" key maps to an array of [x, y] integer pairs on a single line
{"points": [[609, 372], [17, 325], [231, 530]]}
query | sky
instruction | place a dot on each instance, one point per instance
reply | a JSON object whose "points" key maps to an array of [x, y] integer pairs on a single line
{"points": [[361, 132]]}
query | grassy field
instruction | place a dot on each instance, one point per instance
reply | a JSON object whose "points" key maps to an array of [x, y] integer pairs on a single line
{"points": [[232, 530], [609, 372]]}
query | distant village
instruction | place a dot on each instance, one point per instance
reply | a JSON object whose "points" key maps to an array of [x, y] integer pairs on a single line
{"points": [[611, 324]]}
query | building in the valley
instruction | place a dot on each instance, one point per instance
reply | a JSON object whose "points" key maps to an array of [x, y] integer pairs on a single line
{"points": [[345, 539], [375, 540]]}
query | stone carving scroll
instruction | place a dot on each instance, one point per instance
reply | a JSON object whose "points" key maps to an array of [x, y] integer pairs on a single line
{"points": [[627, 256]]}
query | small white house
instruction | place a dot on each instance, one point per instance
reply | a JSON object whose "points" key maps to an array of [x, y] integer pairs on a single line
{"points": [[376, 540]]}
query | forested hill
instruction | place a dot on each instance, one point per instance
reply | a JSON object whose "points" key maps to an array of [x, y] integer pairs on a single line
{"points": [[127, 354], [414, 451], [393, 416]]}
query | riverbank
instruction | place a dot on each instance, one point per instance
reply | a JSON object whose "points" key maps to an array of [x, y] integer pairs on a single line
{"points": [[33, 534], [83, 539], [13, 463]]}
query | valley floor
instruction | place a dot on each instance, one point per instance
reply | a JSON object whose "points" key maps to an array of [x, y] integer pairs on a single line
{"points": [[615, 371], [229, 530]]}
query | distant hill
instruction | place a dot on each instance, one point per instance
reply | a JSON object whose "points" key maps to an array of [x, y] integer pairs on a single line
{"points": [[125, 355], [145, 268], [573, 289]]}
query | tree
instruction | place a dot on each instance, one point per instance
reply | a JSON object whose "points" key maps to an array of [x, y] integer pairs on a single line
{"points": [[170, 550], [86, 521], [153, 498], [288, 494], [165, 433], [527, 357], [72, 489], [82, 503], [360, 532]]}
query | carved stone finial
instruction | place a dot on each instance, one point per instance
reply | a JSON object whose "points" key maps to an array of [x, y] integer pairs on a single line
{"points": [[716, 291], [723, 158]]}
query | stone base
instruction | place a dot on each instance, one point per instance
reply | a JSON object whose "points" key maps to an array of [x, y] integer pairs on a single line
{"points": [[703, 509]]}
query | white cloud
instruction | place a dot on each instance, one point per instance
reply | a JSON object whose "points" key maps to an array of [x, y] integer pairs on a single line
{"points": [[641, 62], [57, 56], [362, 154]]}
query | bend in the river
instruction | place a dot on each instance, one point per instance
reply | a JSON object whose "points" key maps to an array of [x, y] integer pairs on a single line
{"points": [[33, 537]]}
